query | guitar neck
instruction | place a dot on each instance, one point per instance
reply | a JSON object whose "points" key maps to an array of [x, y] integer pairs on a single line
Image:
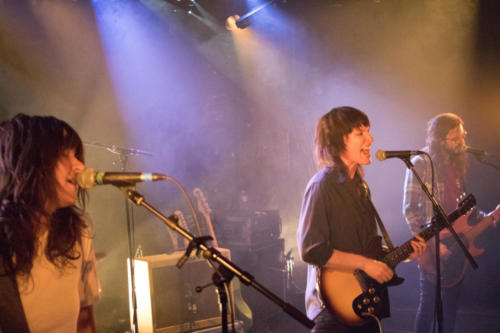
{"points": [[401, 253], [205, 211], [211, 229]]}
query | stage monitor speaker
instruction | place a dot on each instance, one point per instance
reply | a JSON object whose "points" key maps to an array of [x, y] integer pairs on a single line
{"points": [[166, 298]]}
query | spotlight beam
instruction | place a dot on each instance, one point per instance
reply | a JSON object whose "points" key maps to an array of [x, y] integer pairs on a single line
{"points": [[243, 21]]}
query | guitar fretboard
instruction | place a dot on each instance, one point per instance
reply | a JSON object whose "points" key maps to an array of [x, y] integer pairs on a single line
{"points": [[393, 258]]}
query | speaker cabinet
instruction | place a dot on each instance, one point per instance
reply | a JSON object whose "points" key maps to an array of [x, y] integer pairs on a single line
{"points": [[166, 298], [252, 230]]}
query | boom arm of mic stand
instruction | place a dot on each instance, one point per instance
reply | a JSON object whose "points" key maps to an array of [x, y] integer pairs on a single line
{"points": [[441, 214], [488, 163], [213, 254]]}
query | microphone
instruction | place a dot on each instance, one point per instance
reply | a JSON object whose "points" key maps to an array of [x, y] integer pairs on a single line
{"points": [[477, 152], [89, 178], [385, 154]]}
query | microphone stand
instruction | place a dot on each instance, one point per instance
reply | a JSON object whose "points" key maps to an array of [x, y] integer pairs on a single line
{"points": [[119, 150], [221, 279], [442, 218], [226, 269], [481, 158], [123, 155], [129, 216]]}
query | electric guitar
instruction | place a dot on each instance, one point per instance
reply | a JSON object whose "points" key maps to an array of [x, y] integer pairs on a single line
{"points": [[352, 297], [242, 309], [454, 266]]}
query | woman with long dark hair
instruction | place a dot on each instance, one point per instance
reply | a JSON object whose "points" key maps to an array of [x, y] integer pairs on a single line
{"points": [[45, 240]]}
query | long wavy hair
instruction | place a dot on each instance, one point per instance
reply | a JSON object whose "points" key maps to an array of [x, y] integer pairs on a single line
{"points": [[30, 147], [437, 130], [330, 132]]}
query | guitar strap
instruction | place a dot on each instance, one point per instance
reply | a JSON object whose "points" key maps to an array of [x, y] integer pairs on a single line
{"points": [[12, 318], [367, 193]]}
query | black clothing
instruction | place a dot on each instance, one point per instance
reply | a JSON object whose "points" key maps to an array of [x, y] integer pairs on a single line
{"points": [[335, 214], [326, 323]]}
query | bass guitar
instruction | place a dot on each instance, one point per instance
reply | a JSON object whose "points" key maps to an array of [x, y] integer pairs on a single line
{"points": [[352, 297], [454, 266]]}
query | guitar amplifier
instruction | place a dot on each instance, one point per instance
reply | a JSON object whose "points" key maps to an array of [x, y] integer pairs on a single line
{"points": [[252, 230], [166, 298], [270, 254]]}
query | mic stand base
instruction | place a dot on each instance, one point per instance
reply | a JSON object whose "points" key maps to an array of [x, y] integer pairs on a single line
{"points": [[222, 280]]}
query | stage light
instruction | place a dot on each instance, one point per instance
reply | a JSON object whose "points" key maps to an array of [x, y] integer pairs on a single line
{"points": [[231, 22], [244, 21]]}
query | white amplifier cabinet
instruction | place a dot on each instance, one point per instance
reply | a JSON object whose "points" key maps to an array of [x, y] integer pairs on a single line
{"points": [[166, 298]]}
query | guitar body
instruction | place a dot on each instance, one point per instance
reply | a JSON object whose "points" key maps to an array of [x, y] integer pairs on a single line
{"points": [[468, 234], [243, 311], [338, 290], [349, 296], [453, 268], [353, 297]]}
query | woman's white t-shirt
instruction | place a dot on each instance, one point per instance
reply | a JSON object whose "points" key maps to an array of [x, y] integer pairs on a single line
{"points": [[52, 297]]}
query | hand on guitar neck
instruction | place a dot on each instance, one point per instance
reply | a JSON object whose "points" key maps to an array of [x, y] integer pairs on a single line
{"points": [[495, 215], [454, 263], [376, 269], [461, 225]]}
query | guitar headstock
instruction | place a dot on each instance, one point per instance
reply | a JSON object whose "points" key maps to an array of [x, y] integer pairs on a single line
{"points": [[203, 206], [466, 203], [182, 219]]}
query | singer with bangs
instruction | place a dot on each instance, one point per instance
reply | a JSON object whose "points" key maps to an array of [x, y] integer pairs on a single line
{"points": [[445, 143], [48, 280], [338, 227]]}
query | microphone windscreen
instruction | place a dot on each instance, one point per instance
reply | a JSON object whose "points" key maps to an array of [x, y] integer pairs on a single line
{"points": [[380, 155], [86, 178]]}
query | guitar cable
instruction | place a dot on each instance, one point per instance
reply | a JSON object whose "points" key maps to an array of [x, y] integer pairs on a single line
{"points": [[366, 314]]}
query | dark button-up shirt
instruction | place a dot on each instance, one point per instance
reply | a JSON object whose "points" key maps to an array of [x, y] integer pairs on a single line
{"points": [[334, 215]]}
